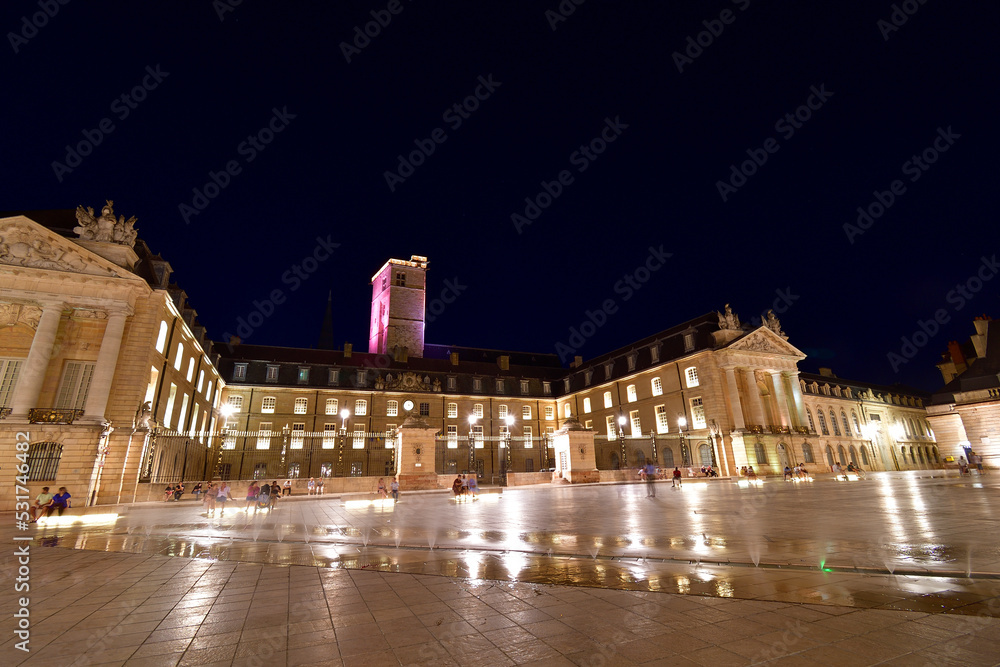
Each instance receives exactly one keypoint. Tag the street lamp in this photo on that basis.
(344, 414)
(286, 431)
(472, 445)
(681, 425)
(621, 441)
(505, 464)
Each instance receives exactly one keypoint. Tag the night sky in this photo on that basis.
(676, 116)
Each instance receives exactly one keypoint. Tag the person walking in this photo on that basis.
(210, 493)
(474, 487)
(272, 498)
(222, 496)
(650, 471)
(252, 492)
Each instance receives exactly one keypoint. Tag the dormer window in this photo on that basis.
(654, 353)
(631, 359)
(272, 373)
(588, 376)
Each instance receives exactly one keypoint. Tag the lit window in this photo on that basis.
(812, 425)
(301, 406)
(170, 405)
(833, 422)
(547, 388)
(303, 375)
(657, 385)
(807, 453)
(526, 433)
(477, 436)
(847, 426)
(360, 407)
(239, 372)
(692, 376)
(662, 421)
(264, 436)
(452, 410)
(452, 437)
(190, 373)
(359, 437)
(236, 403)
(272, 373)
(75, 385)
(183, 412)
(586, 406)
(697, 413)
(502, 411)
(822, 423)
(179, 358)
(329, 436)
(857, 424)
(612, 427)
(201, 379)
(331, 406)
(589, 424)
(391, 408)
(631, 362)
(477, 410)
(636, 424)
(631, 393)
(607, 399)
(298, 435)
(268, 404)
(161, 338)
(567, 411)
(525, 412)
(550, 413)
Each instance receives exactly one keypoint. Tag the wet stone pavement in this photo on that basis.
(897, 569)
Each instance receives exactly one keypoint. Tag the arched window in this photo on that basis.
(843, 455)
(301, 406)
(668, 457)
(920, 453)
(268, 404)
(936, 459)
(705, 454)
(161, 338)
(812, 425)
(913, 459)
(657, 386)
(822, 423)
(833, 422)
(857, 424)
(847, 426)
(761, 453)
(864, 456)
(586, 405)
(903, 451)
(807, 453)
(829, 456)
(567, 411)
(854, 455)
(360, 407)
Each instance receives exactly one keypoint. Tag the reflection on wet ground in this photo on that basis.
(892, 542)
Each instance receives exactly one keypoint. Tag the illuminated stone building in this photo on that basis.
(965, 412)
(91, 329)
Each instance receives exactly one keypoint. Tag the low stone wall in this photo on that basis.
(528, 478)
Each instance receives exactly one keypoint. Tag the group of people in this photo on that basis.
(393, 488)
(466, 485)
(175, 492)
(799, 471)
(262, 496)
(315, 488)
(965, 467)
(709, 471)
(46, 503)
(748, 472)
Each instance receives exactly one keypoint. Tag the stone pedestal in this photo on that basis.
(415, 456)
(575, 456)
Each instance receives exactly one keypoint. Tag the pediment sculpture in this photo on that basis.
(757, 342)
(16, 313)
(22, 246)
(105, 227)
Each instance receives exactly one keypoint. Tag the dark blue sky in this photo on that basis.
(776, 235)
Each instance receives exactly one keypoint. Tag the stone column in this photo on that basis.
(778, 380)
(797, 402)
(104, 369)
(735, 405)
(753, 394)
(29, 384)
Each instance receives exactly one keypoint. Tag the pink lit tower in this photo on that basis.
(398, 302)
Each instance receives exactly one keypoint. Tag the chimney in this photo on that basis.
(955, 351)
(454, 358)
(826, 372)
(348, 348)
(503, 361)
(234, 340)
(577, 362)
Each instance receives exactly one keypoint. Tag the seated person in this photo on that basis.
(42, 506)
(60, 501)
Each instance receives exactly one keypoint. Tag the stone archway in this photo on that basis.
(783, 456)
(829, 456)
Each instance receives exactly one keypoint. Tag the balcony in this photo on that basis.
(754, 428)
(774, 428)
(802, 430)
(53, 416)
(4, 413)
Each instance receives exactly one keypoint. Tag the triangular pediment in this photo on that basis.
(764, 341)
(25, 243)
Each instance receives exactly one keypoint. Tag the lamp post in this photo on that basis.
(344, 414)
(286, 431)
(621, 441)
(472, 445)
(685, 454)
(505, 464)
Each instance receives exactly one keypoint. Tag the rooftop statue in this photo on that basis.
(729, 320)
(106, 227)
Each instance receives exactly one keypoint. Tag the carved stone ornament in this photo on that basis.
(408, 381)
(106, 227)
(16, 313)
(20, 245)
(756, 342)
(729, 319)
(774, 324)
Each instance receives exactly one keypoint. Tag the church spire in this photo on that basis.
(326, 331)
